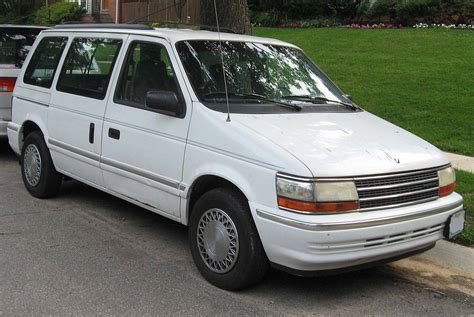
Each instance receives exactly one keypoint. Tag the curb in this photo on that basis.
(451, 255)
(465, 163)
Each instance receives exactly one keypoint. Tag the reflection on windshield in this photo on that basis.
(275, 72)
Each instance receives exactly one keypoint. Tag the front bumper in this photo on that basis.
(329, 242)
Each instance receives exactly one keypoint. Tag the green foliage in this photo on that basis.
(345, 9)
(465, 186)
(16, 11)
(410, 12)
(58, 13)
(267, 18)
(383, 8)
(405, 12)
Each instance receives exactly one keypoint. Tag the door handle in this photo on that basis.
(114, 133)
(91, 133)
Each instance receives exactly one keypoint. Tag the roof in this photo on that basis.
(22, 26)
(170, 34)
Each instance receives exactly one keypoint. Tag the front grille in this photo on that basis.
(397, 189)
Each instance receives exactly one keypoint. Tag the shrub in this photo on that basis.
(383, 8)
(58, 13)
(345, 9)
(267, 18)
(412, 11)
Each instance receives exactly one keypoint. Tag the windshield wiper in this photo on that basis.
(318, 99)
(254, 96)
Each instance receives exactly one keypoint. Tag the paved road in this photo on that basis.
(86, 253)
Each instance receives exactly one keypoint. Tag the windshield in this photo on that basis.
(15, 45)
(277, 73)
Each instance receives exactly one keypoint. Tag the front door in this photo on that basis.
(78, 103)
(143, 151)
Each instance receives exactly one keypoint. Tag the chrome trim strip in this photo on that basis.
(356, 178)
(401, 173)
(33, 101)
(310, 226)
(400, 194)
(398, 185)
(408, 203)
(75, 150)
(140, 172)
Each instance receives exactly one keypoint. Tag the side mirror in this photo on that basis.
(165, 102)
(348, 97)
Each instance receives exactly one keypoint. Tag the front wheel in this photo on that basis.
(224, 241)
(39, 175)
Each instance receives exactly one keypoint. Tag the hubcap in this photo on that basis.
(32, 165)
(218, 240)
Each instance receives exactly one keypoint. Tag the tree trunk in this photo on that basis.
(232, 14)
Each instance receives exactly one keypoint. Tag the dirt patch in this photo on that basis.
(439, 279)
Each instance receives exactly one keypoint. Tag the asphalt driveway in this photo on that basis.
(86, 253)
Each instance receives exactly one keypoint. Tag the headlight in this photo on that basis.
(316, 196)
(447, 181)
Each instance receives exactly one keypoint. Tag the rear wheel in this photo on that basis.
(224, 241)
(39, 175)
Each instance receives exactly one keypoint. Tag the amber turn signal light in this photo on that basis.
(446, 190)
(310, 206)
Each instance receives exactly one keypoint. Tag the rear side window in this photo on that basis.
(15, 44)
(88, 67)
(42, 66)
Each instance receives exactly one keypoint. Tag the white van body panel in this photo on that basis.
(158, 160)
(153, 173)
(341, 144)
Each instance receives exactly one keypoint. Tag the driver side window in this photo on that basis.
(147, 68)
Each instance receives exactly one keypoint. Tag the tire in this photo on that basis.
(238, 259)
(41, 180)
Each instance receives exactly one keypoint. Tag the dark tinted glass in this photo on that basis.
(88, 66)
(15, 45)
(147, 68)
(43, 63)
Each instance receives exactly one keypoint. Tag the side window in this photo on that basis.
(43, 63)
(147, 68)
(88, 67)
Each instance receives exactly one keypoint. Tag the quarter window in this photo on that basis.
(42, 66)
(88, 67)
(147, 68)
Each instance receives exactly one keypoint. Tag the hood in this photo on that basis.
(345, 144)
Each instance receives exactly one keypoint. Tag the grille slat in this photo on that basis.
(397, 189)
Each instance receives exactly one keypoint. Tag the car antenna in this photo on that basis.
(222, 61)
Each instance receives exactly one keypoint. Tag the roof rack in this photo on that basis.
(177, 25)
(104, 26)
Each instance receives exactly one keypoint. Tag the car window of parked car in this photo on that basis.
(42, 66)
(88, 67)
(15, 44)
(147, 68)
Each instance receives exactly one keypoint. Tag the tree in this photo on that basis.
(233, 14)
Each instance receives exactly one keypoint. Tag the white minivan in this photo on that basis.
(243, 139)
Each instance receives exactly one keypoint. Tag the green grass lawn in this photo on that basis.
(421, 80)
(465, 186)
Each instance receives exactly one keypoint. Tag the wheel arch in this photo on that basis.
(205, 183)
(28, 126)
